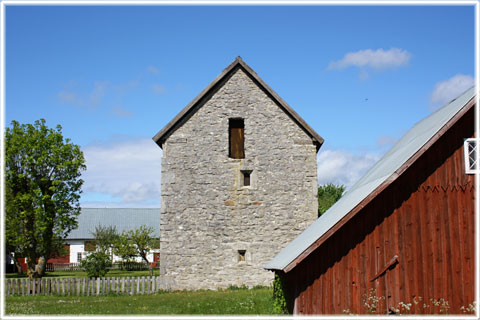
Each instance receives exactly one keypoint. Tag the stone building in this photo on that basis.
(239, 182)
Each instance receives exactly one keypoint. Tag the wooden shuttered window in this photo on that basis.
(236, 139)
(90, 245)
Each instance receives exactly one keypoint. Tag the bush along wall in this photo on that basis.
(280, 298)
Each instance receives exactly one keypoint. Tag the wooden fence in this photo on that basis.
(75, 266)
(72, 266)
(82, 286)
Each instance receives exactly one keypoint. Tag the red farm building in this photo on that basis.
(402, 239)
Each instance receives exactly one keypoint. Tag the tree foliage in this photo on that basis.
(144, 241)
(42, 190)
(96, 264)
(124, 248)
(105, 238)
(138, 242)
(328, 195)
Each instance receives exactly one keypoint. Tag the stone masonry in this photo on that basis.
(214, 231)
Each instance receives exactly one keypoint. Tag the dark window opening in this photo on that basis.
(246, 178)
(90, 245)
(79, 256)
(241, 255)
(236, 139)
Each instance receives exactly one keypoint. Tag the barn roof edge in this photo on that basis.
(405, 152)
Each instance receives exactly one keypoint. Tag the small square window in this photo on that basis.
(470, 148)
(246, 177)
(241, 255)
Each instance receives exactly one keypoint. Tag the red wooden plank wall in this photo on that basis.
(61, 259)
(426, 218)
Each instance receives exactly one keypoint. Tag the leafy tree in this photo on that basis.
(124, 248)
(96, 264)
(138, 242)
(328, 195)
(105, 239)
(144, 241)
(42, 191)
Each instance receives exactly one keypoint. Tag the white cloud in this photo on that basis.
(446, 91)
(129, 170)
(375, 59)
(92, 99)
(343, 168)
(121, 112)
(153, 70)
(159, 89)
(98, 92)
(68, 96)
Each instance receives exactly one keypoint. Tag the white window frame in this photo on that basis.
(469, 169)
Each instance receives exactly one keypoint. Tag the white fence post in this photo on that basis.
(98, 285)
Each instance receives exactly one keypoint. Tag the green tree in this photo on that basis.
(96, 264)
(124, 248)
(136, 243)
(144, 242)
(42, 191)
(105, 239)
(328, 195)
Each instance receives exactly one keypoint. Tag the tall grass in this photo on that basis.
(233, 302)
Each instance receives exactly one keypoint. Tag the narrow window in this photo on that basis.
(470, 148)
(241, 255)
(236, 138)
(79, 256)
(246, 177)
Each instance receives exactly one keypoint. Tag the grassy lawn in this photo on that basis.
(81, 274)
(233, 302)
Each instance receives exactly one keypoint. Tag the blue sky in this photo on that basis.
(113, 76)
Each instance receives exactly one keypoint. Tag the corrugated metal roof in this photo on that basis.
(402, 151)
(121, 218)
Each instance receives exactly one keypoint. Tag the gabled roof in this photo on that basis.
(199, 100)
(405, 152)
(123, 219)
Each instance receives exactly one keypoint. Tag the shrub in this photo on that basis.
(96, 264)
(280, 305)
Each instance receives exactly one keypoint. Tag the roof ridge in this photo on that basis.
(163, 134)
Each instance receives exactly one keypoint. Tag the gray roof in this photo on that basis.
(385, 171)
(199, 100)
(121, 218)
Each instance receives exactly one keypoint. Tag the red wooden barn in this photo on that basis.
(403, 234)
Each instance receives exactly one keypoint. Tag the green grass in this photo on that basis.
(82, 274)
(234, 302)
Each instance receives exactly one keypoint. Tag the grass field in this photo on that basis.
(81, 274)
(232, 302)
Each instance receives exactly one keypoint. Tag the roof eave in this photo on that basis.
(397, 173)
(162, 135)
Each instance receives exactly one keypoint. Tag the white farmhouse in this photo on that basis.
(81, 239)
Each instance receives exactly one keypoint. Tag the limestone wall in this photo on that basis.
(207, 216)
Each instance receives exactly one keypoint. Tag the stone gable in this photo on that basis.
(215, 232)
